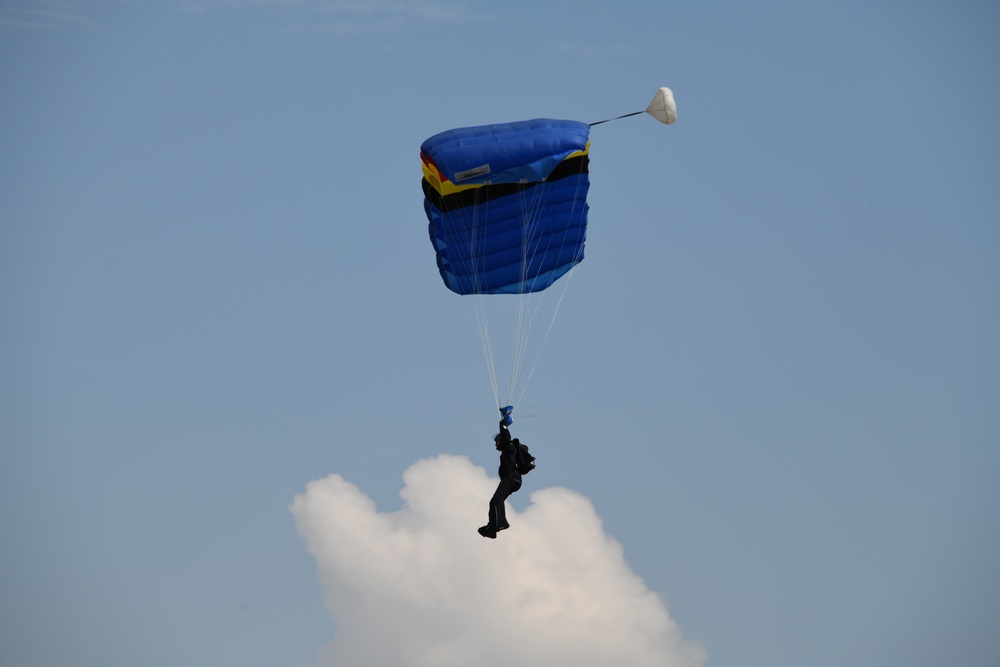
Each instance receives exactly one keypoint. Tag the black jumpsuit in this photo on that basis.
(510, 480)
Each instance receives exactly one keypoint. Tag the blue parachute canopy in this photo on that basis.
(507, 204)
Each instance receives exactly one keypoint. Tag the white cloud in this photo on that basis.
(340, 16)
(420, 587)
(44, 15)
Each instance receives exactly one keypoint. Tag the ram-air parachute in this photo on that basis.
(507, 207)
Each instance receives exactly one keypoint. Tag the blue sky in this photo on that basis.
(775, 376)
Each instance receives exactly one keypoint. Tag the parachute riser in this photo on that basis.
(505, 414)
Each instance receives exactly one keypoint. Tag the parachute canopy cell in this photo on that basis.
(507, 204)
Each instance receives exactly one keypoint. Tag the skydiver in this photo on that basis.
(510, 481)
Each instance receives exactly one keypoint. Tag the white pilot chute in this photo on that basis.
(663, 108)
